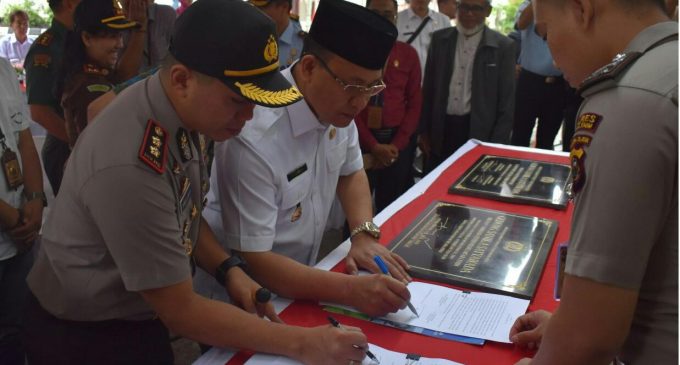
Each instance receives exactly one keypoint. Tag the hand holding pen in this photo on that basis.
(370, 355)
(383, 268)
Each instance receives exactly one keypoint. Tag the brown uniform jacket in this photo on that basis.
(79, 92)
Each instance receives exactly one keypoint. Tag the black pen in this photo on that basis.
(370, 355)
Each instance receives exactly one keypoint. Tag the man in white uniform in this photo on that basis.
(276, 182)
(416, 25)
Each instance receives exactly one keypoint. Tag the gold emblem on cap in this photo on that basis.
(271, 50)
(118, 8)
(331, 135)
(257, 94)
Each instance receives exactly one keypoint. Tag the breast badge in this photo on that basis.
(297, 213)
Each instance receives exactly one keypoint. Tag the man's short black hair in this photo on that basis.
(13, 15)
(55, 5)
(368, 3)
(289, 2)
(310, 46)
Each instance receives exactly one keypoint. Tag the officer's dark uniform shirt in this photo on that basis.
(128, 212)
(42, 66)
(79, 91)
(624, 157)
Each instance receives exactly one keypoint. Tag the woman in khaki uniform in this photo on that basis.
(89, 63)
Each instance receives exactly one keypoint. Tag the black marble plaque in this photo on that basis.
(483, 249)
(517, 181)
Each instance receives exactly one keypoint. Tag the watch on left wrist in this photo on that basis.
(226, 265)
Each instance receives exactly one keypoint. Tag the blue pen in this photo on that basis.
(381, 264)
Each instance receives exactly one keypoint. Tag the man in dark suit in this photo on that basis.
(469, 85)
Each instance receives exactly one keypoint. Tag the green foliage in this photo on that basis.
(505, 16)
(39, 13)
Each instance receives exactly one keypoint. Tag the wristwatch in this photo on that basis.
(36, 195)
(226, 265)
(367, 227)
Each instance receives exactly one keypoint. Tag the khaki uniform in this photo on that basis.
(625, 161)
(79, 91)
(128, 213)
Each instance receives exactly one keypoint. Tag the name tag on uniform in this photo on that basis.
(297, 172)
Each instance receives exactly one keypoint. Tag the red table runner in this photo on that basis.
(310, 314)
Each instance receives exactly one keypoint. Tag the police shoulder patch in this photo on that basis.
(44, 39)
(588, 122)
(578, 158)
(153, 151)
(42, 60)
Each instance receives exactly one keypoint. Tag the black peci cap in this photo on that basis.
(354, 33)
(233, 41)
(91, 15)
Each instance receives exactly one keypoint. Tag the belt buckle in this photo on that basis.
(550, 79)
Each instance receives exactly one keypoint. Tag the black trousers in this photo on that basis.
(55, 152)
(572, 104)
(456, 133)
(390, 182)
(52, 341)
(539, 97)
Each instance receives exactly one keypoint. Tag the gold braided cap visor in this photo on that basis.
(119, 22)
(264, 86)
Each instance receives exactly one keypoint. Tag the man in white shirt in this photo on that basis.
(409, 23)
(273, 186)
(14, 47)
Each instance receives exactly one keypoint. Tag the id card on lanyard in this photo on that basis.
(10, 165)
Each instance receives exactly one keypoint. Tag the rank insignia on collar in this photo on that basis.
(297, 213)
(332, 133)
(89, 68)
(184, 146)
(153, 150)
(175, 168)
(619, 63)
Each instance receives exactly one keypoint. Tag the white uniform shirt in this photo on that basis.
(276, 181)
(408, 22)
(13, 50)
(13, 119)
(460, 87)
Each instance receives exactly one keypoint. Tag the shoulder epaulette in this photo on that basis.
(89, 68)
(154, 149)
(44, 39)
(611, 70)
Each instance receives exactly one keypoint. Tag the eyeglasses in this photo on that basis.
(474, 9)
(370, 90)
